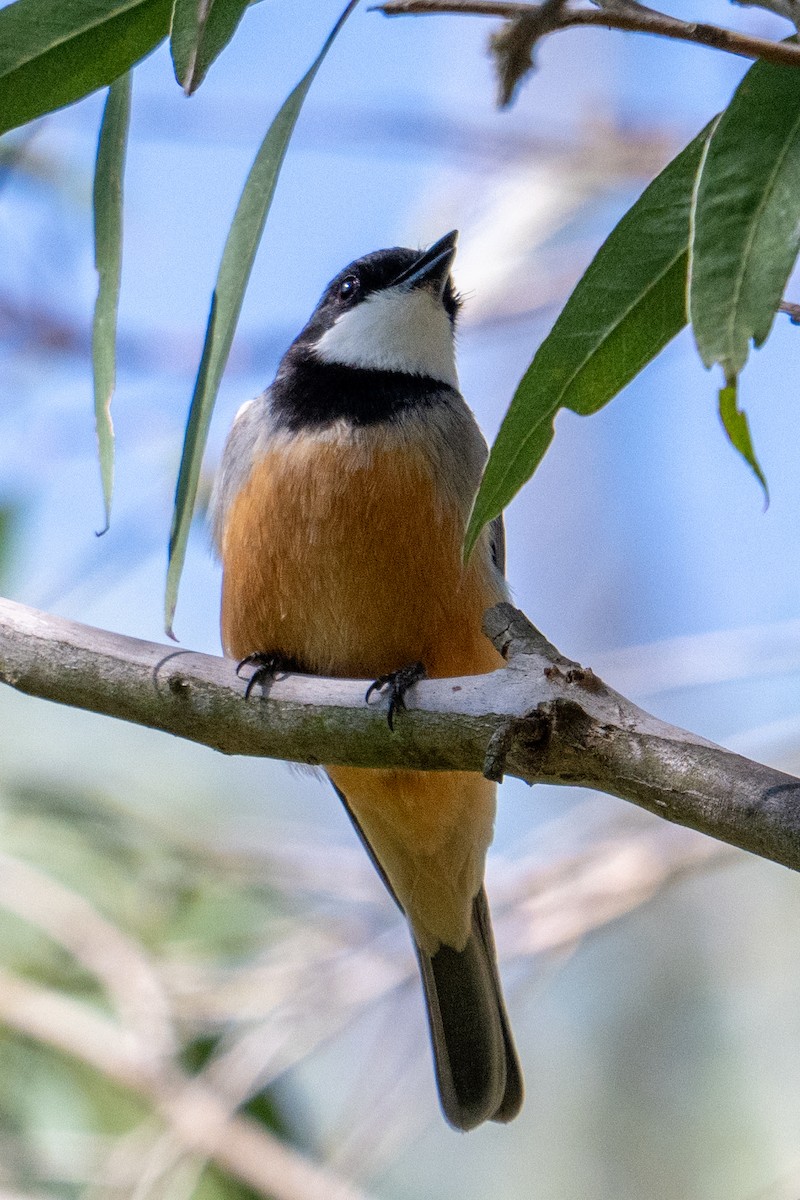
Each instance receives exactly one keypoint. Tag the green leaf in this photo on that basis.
(747, 218)
(201, 29)
(234, 272)
(628, 305)
(53, 52)
(108, 174)
(738, 430)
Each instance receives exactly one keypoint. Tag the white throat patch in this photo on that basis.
(394, 330)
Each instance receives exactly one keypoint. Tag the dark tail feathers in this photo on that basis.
(477, 1069)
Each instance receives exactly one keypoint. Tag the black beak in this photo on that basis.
(432, 268)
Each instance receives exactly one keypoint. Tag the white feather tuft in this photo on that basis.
(394, 330)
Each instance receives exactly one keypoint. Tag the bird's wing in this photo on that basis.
(497, 543)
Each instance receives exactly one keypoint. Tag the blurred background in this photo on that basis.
(185, 937)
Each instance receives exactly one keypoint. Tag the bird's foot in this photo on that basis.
(267, 668)
(395, 685)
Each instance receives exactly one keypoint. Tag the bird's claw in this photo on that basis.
(267, 667)
(396, 684)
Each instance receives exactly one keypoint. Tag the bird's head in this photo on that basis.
(393, 310)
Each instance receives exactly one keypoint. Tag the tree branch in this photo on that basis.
(530, 22)
(543, 719)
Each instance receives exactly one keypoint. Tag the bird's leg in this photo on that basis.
(395, 685)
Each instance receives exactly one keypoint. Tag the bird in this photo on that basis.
(339, 512)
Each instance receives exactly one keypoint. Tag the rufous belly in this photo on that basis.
(347, 559)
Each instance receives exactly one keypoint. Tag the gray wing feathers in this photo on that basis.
(244, 444)
(497, 542)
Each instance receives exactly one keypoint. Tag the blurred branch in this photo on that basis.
(35, 327)
(314, 983)
(793, 311)
(239, 1145)
(71, 1027)
(704, 659)
(6, 1195)
(115, 960)
(528, 23)
(249, 1152)
(544, 719)
(14, 152)
(319, 978)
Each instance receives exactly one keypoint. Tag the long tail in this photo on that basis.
(477, 1069)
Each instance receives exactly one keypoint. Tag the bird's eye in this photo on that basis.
(349, 287)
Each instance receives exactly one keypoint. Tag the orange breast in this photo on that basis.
(347, 558)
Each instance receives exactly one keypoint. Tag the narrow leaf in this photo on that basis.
(201, 29)
(738, 430)
(627, 306)
(53, 52)
(234, 272)
(747, 217)
(109, 170)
